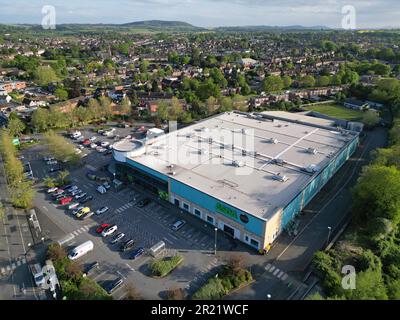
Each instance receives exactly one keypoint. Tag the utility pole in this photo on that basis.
(215, 241)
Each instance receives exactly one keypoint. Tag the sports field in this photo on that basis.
(336, 111)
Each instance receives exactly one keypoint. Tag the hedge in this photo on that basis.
(162, 267)
(227, 280)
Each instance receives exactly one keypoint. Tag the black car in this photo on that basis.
(66, 187)
(90, 267)
(127, 245)
(114, 285)
(86, 199)
(143, 203)
(55, 169)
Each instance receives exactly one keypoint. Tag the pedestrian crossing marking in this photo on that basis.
(280, 274)
(75, 233)
(276, 272)
(268, 266)
(18, 263)
(285, 277)
(13, 266)
(272, 269)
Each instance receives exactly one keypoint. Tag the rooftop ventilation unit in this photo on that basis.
(238, 164)
(312, 168)
(229, 146)
(279, 178)
(210, 140)
(170, 166)
(279, 161)
(244, 152)
(245, 131)
(203, 151)
(172, 173)
(204, 129)
(273, 140)
(312, 150)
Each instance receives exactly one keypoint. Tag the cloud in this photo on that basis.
(370, 13)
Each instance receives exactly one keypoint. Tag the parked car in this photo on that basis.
(122, 125)
(127, 245)
(80, 195)
(73, 205)
(105, 144)
(102, 210)
(51, 190)
(90, 268)
(37, 273)
(109, 231)
(144, 202)
(86, 142)
(107, 152)
(81, 250)
(51, 162)
(137, 253)
(86, 199)
(75, 212)
(87, 215)
(83, 212)
(59, 197)
(55, 169)
(66, 187)
(178, 224)
(76, 192)
(73, 188)
(65, 201)
(102, 227)
(118, 237)
(101, 189)
(93, 145)
(114, 285)
(93, 138)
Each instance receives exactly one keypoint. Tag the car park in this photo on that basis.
(51, 190)
(118, 237)
(137, 253)
(127, 245)
(102, 210)
(88, 269)
(80, 195)
(144, 202)
(73, 205)
(114, 285)
(109, 231)
(102, 227)
(178, 224)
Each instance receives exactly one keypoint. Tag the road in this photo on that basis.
(330, 207)
(15, 276)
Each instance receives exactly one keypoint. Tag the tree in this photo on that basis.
(105, 106)
(45, 75)
(272, 84)
(370, 118)
(323, 81)
(175, 294)
(143, 66)
(61, 94)
(307, 81)
(125, 106)
(16, 127)
(40, 119)
(132, 293)
(22, 194)
(287, 82)
(62, 177)
(49, 182)
(211, 105)
(377, 194)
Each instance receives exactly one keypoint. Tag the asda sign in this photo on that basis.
(226, 211)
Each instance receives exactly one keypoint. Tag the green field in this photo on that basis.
(336, 111)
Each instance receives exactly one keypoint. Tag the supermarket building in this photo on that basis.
(246, 174)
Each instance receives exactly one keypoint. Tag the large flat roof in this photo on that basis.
(245, 175)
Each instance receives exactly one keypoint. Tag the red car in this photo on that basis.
(65, 200)
(102, 227)
(86, 142)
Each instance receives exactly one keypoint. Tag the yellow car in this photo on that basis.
(83, 212)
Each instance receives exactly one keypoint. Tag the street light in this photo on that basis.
(269, 296)
(329, 235)
(215, 242)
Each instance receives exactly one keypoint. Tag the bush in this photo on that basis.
(176, 294)
(162, 267)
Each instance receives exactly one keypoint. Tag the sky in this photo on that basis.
(207, 13)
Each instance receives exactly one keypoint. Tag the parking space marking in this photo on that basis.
(130, 267)
(169, 241)
(121, 274)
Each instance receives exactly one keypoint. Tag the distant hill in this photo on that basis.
(161, 25)
(269, 28)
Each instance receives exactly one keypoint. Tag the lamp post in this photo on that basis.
(215, 241)
(269, 296)
(329, 235)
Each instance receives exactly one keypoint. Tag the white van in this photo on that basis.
(81, 250)
(37, 273)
